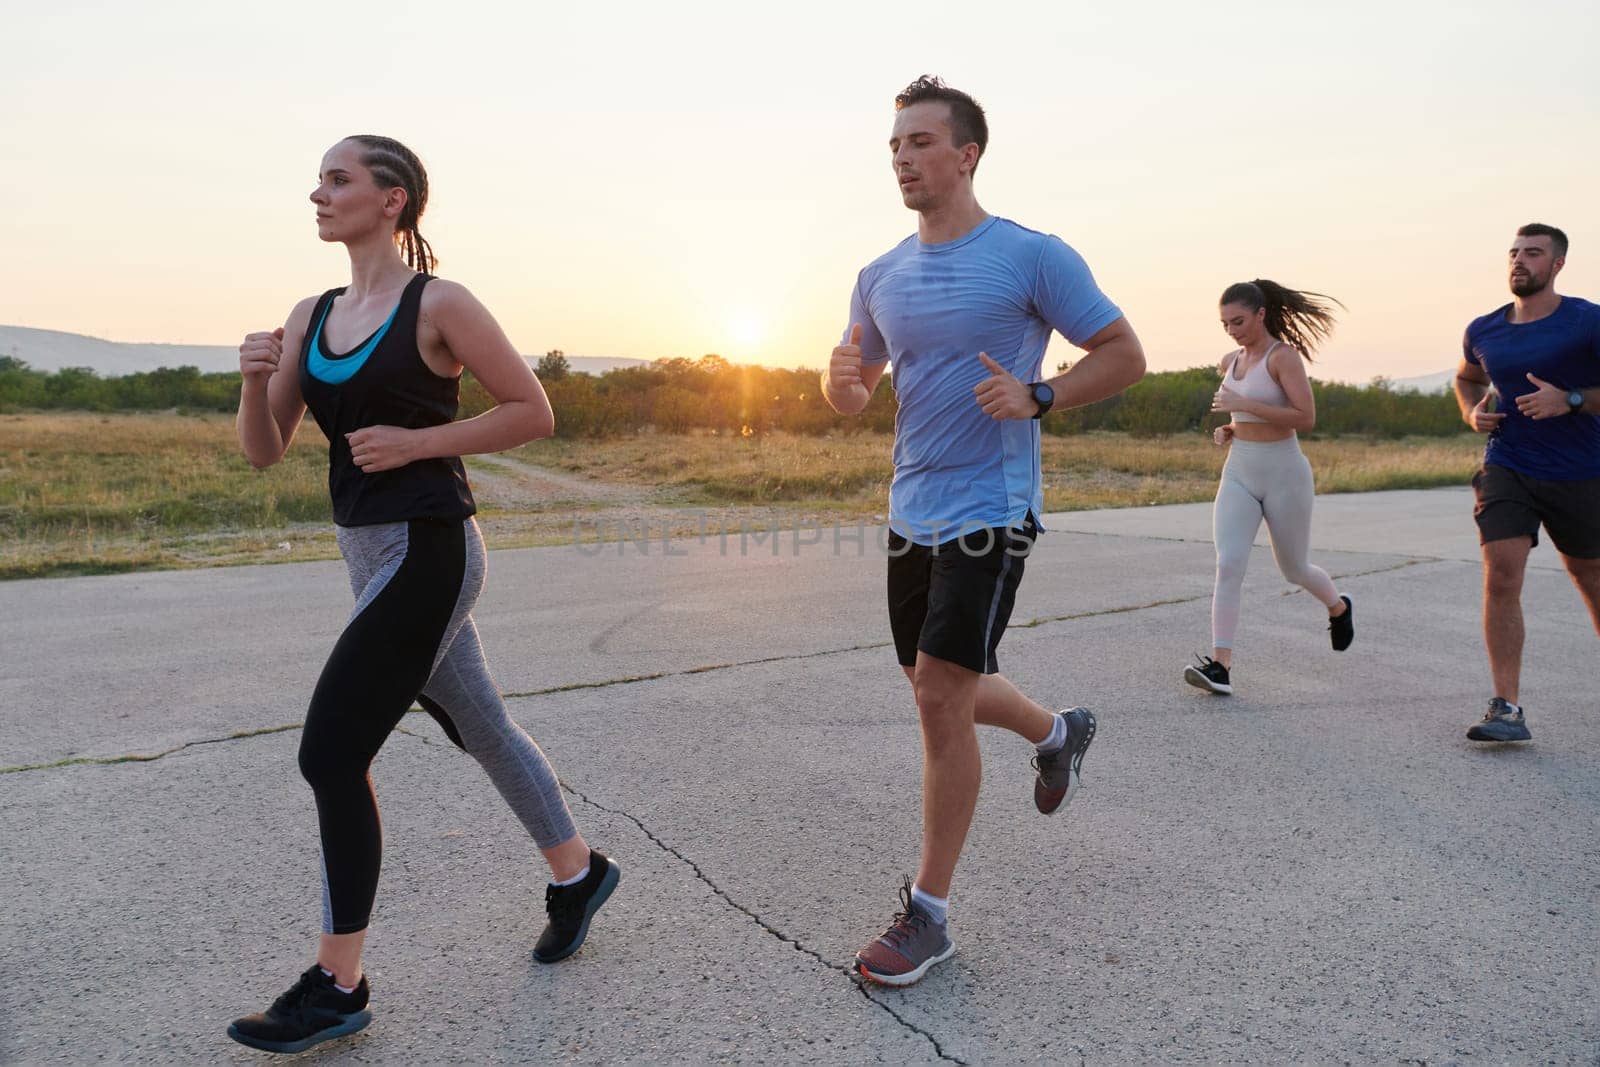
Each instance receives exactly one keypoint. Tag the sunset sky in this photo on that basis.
(652, 180)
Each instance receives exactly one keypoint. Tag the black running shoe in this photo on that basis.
(1503, 721)
(1210, 675)
(312, 1011)
(1342, 628)
(572, 906)
(1061, 771)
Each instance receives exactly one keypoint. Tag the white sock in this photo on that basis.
(336, 985)
(575, 879)
(1057, 738)
(935, 908)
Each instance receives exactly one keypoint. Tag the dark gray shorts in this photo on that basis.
(1511, 504)
(953, 600)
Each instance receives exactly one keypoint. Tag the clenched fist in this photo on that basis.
(844, 366)
(382, 448)
(259, 356)
(1481, 419)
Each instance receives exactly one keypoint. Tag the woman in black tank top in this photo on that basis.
(377, 362)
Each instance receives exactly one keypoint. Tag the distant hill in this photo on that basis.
(51, 350)
(1426, 384)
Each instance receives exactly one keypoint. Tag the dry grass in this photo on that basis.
(1104, 470)
(88, 493)
(713, 470)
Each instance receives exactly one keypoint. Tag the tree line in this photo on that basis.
(711, 394)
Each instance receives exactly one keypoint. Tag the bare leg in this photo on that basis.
(1504, 564)
(567, 858)
(1002, 704)
(952, 768)
(1586, 576)
(341, 954)
(999, 703)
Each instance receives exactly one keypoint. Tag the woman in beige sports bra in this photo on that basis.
(1265, 389)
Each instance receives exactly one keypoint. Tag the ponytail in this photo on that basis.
(1300, 318)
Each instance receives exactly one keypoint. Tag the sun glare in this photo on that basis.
(746, 328)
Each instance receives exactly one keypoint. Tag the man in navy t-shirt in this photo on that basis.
(1541, 355)
(963, 310)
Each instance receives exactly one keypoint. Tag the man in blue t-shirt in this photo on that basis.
(1541, 355)
(963, 309)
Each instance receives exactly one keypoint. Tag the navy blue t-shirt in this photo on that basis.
(1563, 348)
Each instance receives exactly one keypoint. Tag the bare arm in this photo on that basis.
(1288, 369)
(1113, 361)
(847, 385)
(270, 404)
(1472, 397)
(1223, 435)
(473, 339)
(1549, 401)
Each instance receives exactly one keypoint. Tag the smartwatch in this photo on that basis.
(1042, 395)
(1574, 401)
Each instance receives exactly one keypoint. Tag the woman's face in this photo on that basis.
(1243, 324)
(349, 202)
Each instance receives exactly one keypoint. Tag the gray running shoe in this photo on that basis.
(903, 953)
(1061, 771)
(1503, 721)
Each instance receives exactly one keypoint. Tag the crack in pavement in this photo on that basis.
(1210, 541)
(148, 757)
(717, 890)
(767, 927)
(703, 669)
(1040, 621)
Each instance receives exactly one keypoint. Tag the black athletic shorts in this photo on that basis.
(1514, 505)
(953, 600)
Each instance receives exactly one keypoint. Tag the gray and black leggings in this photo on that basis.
(410, 638)
(1263, 480)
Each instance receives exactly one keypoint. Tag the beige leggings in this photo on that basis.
(1262, 480)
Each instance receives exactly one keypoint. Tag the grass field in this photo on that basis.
(88, 493)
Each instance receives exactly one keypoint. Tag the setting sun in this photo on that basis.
(746, 328)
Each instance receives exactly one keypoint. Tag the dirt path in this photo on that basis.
(540, 484)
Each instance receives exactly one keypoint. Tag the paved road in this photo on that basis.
(1319, 868)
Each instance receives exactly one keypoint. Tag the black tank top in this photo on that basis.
(383, 382)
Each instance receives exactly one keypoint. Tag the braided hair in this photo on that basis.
(1303, 319)
(393, 165)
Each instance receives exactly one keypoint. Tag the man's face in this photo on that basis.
(927, 163)
(1533, 265)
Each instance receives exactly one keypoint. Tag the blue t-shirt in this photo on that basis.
(1563, 348)
(929, 310)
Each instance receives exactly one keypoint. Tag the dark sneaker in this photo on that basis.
(904, 952)
(1210, 675)
(312, 1011)
(1503, 721)
(570, 908)
(1342, 628)
(1061, 771)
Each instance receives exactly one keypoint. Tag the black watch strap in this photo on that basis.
(1042, 395)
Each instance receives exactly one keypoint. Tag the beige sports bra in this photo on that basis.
(1257, 384)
